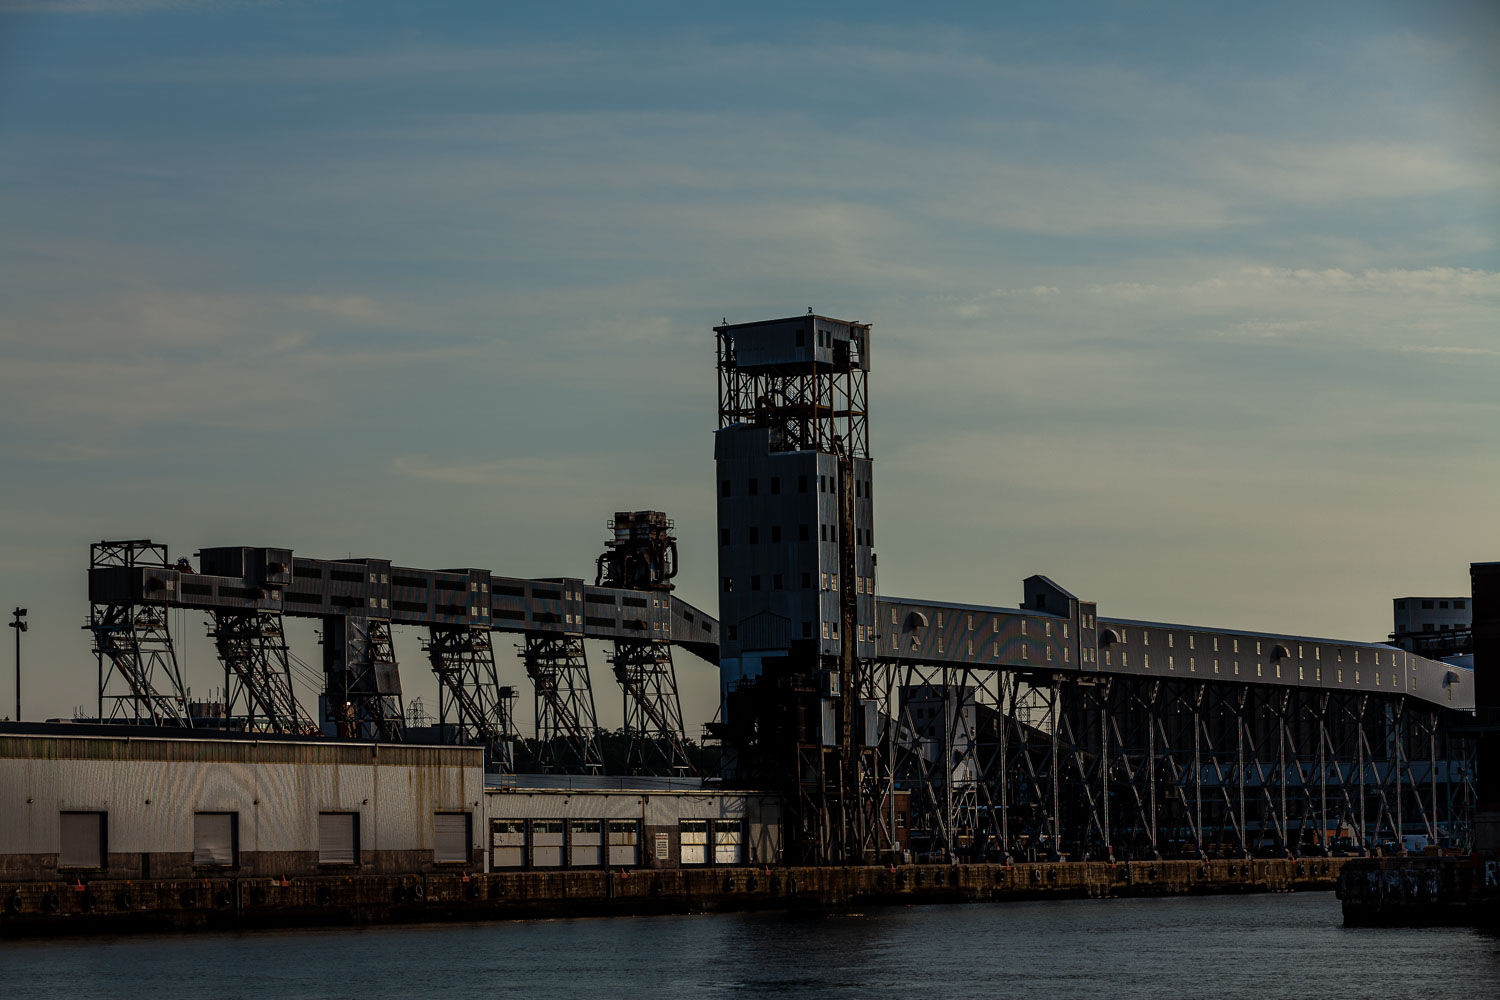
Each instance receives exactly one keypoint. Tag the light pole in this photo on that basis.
(20, 626)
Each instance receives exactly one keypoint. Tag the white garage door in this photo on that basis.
(508, 843)
(624, 837)
(585, 843)
(338, 838)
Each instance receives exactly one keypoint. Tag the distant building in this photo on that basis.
(1436, 627)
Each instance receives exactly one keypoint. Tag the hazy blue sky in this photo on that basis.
(1193, 307)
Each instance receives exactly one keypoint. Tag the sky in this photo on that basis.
(1194, 308)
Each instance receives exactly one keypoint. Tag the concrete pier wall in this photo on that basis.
(115, 906)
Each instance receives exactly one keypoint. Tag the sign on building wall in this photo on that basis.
(662, 850)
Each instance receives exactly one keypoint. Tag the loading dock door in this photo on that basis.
(624, 843)
(693, 839)
(546, 843)
(585, 843)
(338, 838)
(508, 843)
(728, 842)
(82, 837)
(450, 837)
(213, 839)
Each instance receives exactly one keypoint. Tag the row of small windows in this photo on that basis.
(866, 633)
(1260, 646)
(1091, 656)
(994, 623)
(826, 533)
(1456, 605)
(825, 338)
(826, 484)
(826, 581)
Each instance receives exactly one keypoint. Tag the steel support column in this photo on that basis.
(653, 710)
(472, 704)
(257, 673)
(139, 679)
(566, 726)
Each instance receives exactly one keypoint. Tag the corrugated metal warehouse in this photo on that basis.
(116, 803)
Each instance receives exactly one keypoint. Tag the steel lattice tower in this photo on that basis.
(566, 725)
(642, 555)
(470, 697)
(257, 672)
(653, 712)
(139, 679)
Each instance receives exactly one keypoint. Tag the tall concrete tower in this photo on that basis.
(797, 577)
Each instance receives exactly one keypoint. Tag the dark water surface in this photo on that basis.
(1260, 947)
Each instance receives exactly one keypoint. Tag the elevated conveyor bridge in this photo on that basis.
(247, 590)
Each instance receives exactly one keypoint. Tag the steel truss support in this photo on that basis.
(139, 679)
(362, 687)
(472, 705)
(1148, 767)
(566, 726)
(937, 741)
(257, 673)
(834, 755)
(653, 710)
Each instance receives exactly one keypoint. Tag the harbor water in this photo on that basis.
(1263, 947)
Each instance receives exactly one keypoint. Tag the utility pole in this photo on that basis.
(20, 626)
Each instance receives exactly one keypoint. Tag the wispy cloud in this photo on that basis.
(119, 6)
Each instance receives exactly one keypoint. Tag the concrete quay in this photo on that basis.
(227, 903)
